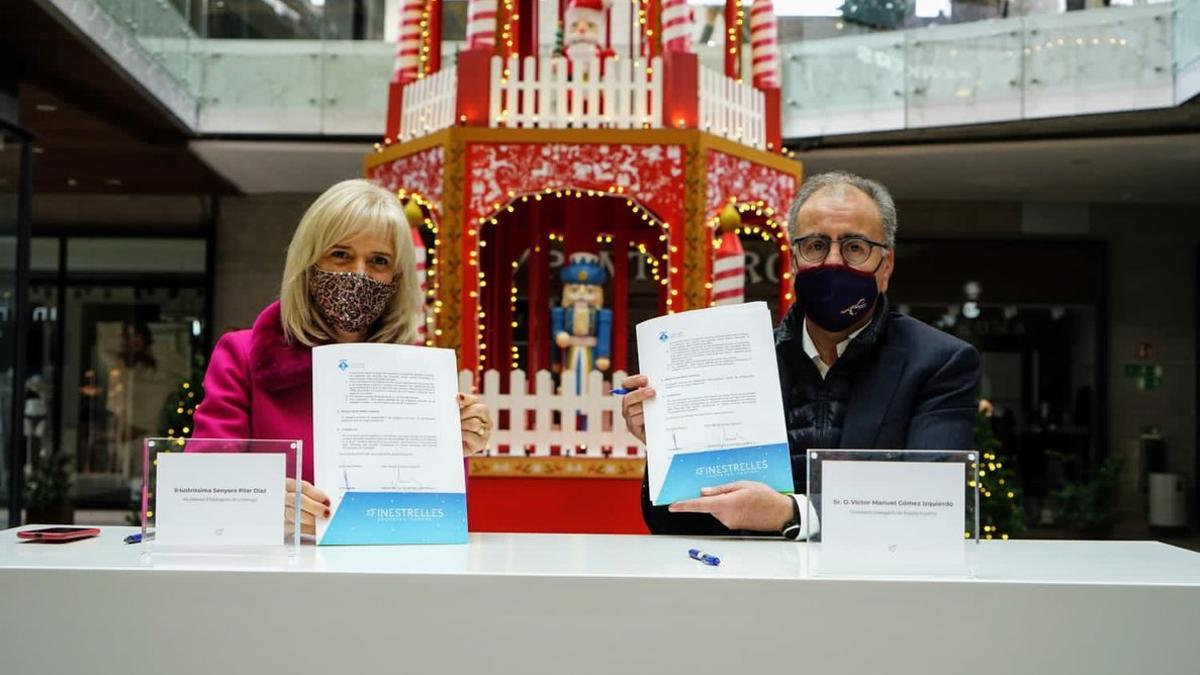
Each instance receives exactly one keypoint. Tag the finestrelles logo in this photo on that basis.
(857, 307)
(663, 337)
(394, 514)
(343, 365)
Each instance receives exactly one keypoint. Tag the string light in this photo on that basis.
(565, 192)
(423, 52)
(507, 30)
(430, 225)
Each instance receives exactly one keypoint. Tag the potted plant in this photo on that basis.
(48, 489)
(1090, 507)
(48, 475)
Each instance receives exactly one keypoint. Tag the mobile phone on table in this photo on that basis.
(55, 534)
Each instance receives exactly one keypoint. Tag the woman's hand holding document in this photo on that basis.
(713, 423)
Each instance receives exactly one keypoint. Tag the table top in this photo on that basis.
(1134, 563)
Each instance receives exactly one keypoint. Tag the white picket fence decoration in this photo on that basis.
(429, 104)
(734, 110)
(596, 409)
(543, 92)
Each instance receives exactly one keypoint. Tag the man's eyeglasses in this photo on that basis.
(815, 248)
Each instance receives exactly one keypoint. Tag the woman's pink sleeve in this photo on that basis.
(225, 410)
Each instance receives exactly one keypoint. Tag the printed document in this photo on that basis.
(718, 414)
(388, 444)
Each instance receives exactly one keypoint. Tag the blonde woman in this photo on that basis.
(350, 276)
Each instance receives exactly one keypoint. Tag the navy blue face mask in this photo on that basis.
(835, 297)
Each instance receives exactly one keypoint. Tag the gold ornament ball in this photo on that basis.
(412, 212)
(729, 219)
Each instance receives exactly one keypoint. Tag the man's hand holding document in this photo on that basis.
(717, 416)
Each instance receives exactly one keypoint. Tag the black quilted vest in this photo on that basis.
(815, 408)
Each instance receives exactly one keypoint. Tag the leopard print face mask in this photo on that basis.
(350, 301)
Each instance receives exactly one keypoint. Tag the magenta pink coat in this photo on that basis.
(259, 385)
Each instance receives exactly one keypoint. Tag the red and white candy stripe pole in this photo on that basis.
(408, 46)
(481, 24)
(729, 261)
(729, 272)
(676, 26)
(764, 45)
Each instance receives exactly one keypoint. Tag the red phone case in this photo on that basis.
(43, 535)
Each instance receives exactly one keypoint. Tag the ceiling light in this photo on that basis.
(115, 182)
(46, 107)
(37, 150)
(71, 182)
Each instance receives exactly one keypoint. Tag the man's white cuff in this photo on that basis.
(807, 529)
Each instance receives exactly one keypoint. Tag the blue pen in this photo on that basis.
(697, 554)
(620, 391)
(137, 537)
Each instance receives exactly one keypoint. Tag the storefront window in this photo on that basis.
(14, 204)
(126, 319)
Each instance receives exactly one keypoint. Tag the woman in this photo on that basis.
(350, 276)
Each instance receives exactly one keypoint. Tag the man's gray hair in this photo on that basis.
(876, 191)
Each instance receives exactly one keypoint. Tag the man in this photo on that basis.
(853, 373)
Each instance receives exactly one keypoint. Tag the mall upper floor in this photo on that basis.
(322, 67)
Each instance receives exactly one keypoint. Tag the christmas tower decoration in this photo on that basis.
(518, 158)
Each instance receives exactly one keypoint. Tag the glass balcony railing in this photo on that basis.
(320, 67)
(1103, 60)
(164, 34)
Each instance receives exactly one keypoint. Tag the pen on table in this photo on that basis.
(697, 554)
(137, 537)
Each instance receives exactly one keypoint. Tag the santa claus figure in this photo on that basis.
(585, 31)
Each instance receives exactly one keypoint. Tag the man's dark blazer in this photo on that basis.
(914, 390)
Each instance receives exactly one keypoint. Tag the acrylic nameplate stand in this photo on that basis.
(892, 513)
(225, 498)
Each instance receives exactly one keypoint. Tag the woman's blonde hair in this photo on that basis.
(345, 210)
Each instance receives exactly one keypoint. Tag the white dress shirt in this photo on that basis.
(810, 348)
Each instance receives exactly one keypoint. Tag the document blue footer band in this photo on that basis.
(399, 518)
(770, 464)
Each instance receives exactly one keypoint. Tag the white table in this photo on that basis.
(592, 604)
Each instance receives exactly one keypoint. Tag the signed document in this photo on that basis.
(718, 414)
(388, 444)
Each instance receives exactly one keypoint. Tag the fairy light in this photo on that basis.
(734, 42)
(423, 53)
(508, 30)
(512, 312)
